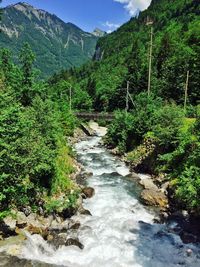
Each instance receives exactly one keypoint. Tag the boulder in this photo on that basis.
(188, 238)
(75, 226)
(153, 197)
(88, 192)
(10, 223)
(57, 240)
(101, 131)
(68, 213)
(134, 176)
(82, 177)
(26, 210)
(35, 230)
(5, 231)
(189, 252)
(84, 211)
(31, 218)
(115, 151)
(63, 239)
(164, 187)
(7, 261)
(74, 242)
(148, 184)
(87, 130)
(7, 228)
(86, 175)
(21, 220)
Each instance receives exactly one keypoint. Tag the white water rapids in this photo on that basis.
(120, 232)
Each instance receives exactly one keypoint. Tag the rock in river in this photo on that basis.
(88, 192)
(153, 197)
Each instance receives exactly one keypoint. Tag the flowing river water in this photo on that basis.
(121, 231)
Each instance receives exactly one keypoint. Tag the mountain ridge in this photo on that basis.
(58, 45)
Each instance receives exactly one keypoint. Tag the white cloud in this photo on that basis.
(111, 26)
(134, 5)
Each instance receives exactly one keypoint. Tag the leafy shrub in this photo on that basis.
(167, 122)
(128, 129)
(188, 187)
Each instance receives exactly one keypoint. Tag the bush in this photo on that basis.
(119, 129)
(188, 187)
(128, 130)
(167, 123)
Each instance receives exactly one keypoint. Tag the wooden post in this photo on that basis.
(186, 90)
(127, 96)
(70, 98)
(150, 61)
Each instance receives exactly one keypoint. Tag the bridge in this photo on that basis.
(95, 116)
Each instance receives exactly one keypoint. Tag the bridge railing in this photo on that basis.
(95, 116)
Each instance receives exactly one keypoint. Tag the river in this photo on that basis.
(121, 231)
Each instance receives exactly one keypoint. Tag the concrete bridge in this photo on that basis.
(95, 116)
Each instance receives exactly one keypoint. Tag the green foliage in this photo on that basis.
(27, 59)
(60, 204)
(128, 129)
(119, 130)
(188, 187)
(167, 123)
(63, 169)
(4, 214)
(188, 173)
(35, 160)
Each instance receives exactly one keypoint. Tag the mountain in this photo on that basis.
(57, 44)
(124, 56)
(99, 33)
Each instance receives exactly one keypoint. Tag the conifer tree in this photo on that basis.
(27, 59)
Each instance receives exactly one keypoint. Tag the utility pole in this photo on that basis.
(70, 98)
(150, 61)
(186, 90)
(150, 23)
(127, 96)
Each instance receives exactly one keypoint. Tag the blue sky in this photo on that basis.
(89, 14)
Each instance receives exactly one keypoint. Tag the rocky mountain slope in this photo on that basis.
(57, 44)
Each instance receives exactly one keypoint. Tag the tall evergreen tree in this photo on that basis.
(27, 59)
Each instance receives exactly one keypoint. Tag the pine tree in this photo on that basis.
(27, 59)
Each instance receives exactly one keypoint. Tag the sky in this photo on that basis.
(107, 15)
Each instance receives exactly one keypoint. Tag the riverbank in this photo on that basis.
(157, 191)
(56, 227)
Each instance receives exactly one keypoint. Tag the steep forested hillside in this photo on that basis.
(58, 45)
(123, 56)
(160, 133)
